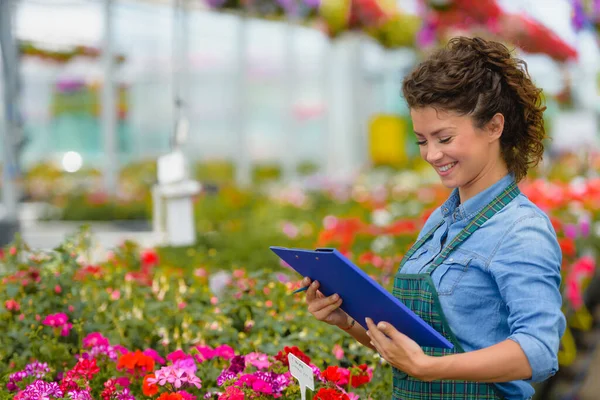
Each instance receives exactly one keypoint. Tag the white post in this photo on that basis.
(109, 116)
(342, 116)
(290, 160)
(242, 158)
(9, 128)
(180, 72)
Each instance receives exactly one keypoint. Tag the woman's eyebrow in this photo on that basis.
(434, 133)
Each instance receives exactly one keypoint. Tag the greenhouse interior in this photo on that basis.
(165, 164)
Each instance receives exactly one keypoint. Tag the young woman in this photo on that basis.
(485, 270)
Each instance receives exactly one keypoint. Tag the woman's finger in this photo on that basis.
(311, 293)
(322, 314)
(320, 304)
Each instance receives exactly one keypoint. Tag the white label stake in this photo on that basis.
(303, 373)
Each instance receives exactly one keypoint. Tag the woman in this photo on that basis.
(485, 270)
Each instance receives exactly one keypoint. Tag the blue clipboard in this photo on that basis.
(362, 296)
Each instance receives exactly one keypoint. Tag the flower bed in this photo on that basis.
(203, 308)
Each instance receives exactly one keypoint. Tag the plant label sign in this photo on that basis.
(303, 373)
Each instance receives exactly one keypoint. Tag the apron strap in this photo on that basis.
(482, 216)
(486, 213)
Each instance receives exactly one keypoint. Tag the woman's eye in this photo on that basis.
(447, 140)
(421, 142)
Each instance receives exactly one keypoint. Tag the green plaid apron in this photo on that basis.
(418, 293)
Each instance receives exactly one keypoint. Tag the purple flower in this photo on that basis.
(570, 231)
(225, 376)
(125, 394)
(109, 351)
(40, 390)
(79, 395)
(238, 364)
(35, 369)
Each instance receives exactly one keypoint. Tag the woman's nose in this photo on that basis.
(433, 154)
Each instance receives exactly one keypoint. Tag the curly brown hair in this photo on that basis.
(479, 78)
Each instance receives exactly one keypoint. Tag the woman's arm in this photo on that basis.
(502, 362)
(358, 332)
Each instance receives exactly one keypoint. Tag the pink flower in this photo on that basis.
(345, 376)
(225, 352)
(71, 308)
(268, 304)
(262, 387)
(259, 360)
(12, 305)
(181, 305)
(177, 355)
(21, 317)
(154, 355)
(115, 295)
(66, 328)
(239, 273)
(205, 353)
(573, 293)
(55, 320)
(186, 396)
(123, 381)
(290, 230)
(214, 300)
(120, 349)
(95, 339)
(200, 272)
(338, 352)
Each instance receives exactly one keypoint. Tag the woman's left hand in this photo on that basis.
(398, 349)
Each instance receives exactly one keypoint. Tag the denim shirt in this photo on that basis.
(501, 283)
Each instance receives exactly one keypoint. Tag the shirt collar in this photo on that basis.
(472, 206)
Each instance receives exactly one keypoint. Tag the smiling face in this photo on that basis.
(464, 156)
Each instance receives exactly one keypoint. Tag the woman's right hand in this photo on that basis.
(326, 309)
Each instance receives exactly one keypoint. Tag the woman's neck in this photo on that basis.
(488, 176)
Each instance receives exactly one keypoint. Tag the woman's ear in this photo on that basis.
(495, 127)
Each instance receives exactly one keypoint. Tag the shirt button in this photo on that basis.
(445, 210)
(451, 259)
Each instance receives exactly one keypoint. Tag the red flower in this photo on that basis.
(332, 374)
(330, 394)
(136, 362)
(149, 389)
(149, 258)
(86, 368)
(361, 375)
(283, 355)
(567, 246)
(170, 396)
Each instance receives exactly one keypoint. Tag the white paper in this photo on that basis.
(303, 373)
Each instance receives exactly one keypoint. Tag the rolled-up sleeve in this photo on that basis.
(526, 267)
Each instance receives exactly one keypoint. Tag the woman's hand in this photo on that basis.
(398, 349)
(323, 308)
